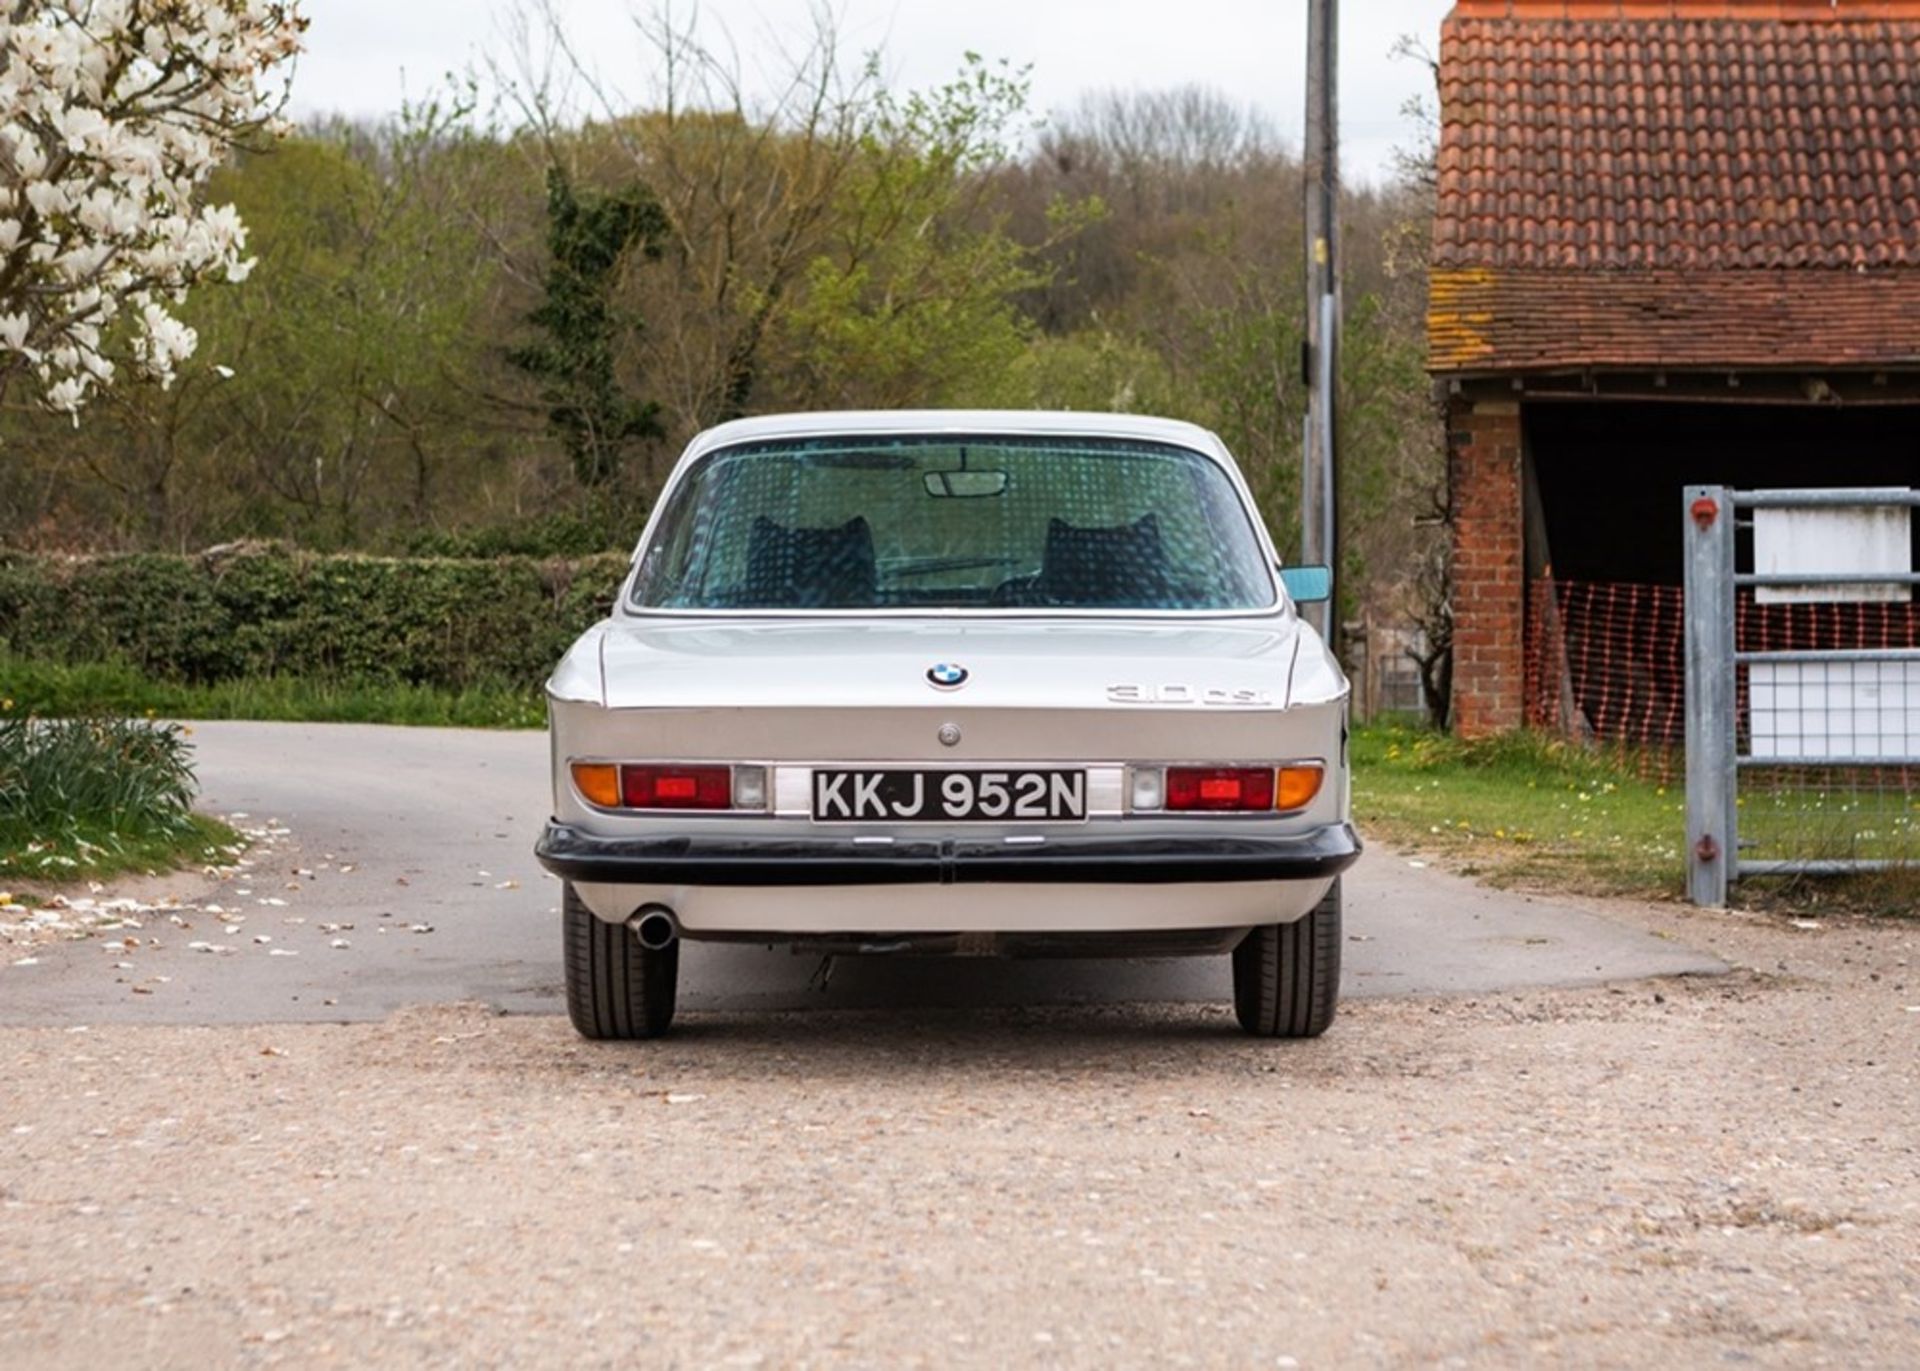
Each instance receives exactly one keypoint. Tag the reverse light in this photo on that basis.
(750, 788)
(676, 787)
(1234, 789)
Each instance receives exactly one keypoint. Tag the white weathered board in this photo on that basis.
(1793, 542)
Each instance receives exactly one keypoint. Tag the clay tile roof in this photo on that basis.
(1678, 182)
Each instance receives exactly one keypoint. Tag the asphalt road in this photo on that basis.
(421, 840)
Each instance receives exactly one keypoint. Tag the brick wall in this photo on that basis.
(1489, 568)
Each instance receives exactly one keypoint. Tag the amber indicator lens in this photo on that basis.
(677, 787)
(598, 783)
(1225, 789)
(1298, 786)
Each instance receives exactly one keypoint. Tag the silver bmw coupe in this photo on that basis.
(967, 682)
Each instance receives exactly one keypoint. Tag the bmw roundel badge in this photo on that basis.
(947, 675)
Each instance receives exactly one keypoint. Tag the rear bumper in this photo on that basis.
(573, 855)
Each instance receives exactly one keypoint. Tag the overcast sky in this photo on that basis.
(362, 54)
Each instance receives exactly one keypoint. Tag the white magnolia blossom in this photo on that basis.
(113, 113)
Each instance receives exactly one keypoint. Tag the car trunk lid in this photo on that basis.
(1067, 691)
(1021, 665)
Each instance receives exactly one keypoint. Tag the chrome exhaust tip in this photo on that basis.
(656, 927)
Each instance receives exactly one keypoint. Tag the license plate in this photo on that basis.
(961, 797)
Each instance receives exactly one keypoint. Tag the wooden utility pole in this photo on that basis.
(1319, 486)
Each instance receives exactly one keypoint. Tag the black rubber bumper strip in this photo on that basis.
(723, 861)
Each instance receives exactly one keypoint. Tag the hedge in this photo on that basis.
(257, 611)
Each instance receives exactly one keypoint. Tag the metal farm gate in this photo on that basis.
(1802, 684)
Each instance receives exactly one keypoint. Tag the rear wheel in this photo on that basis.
(615, 987)
(1286, 977)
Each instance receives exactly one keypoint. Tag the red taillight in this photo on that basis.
(676, 787)
(1219, 788)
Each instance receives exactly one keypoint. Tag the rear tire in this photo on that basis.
(1286, 977)
(616, 989)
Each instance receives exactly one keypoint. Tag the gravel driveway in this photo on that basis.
(1699, 1171)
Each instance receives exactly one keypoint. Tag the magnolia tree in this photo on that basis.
(112, 115)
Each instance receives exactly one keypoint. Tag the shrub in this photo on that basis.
(69, 781)
(599, 530)
(265, 611)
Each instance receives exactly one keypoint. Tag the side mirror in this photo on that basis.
(1307, 585)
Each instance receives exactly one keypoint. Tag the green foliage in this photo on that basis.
(590, 236)
(1522, 808)
(1245, 364)
(913, 302)
(94, 794)
(1099, 371)
(377, 384)
(600, 529)
(121, 771)
(262, 613)
(1532, 810)
(326, 392)
(892, 335)
(54, 688)
(93, 851)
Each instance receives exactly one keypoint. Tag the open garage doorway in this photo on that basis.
(1604, 544)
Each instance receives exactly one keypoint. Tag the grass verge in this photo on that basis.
(52, 689)
(1521, 810)
(1525, 810)
(99, 852)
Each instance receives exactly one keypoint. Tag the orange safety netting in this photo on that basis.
(1607, 661)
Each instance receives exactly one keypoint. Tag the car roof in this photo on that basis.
(958, 421)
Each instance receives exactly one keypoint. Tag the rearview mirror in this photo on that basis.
(966, 485)
(1307, 585)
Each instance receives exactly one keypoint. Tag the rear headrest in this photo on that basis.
(1121, 567)
(811, 568)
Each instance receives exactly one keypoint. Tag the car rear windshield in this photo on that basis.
(946, 523)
